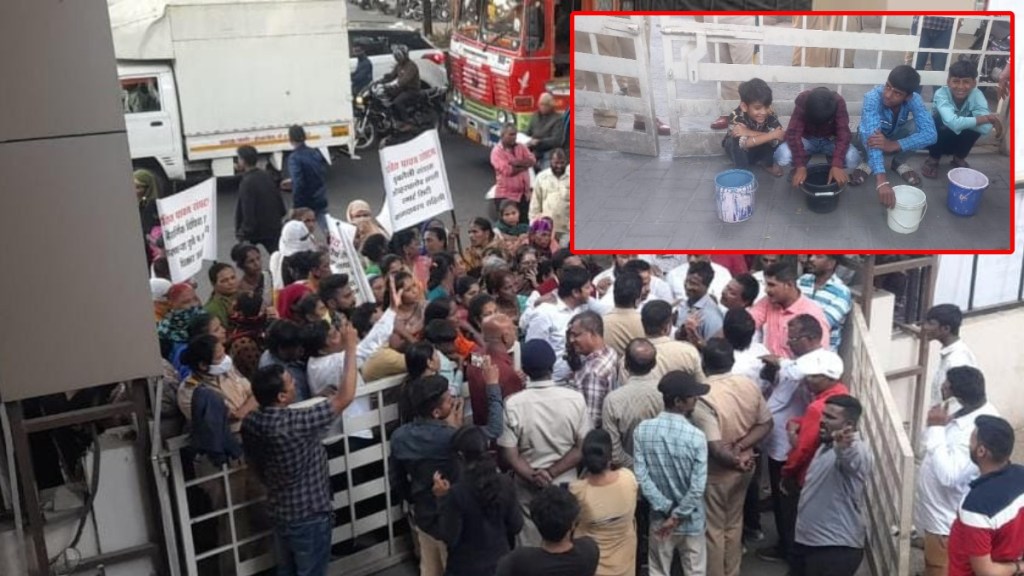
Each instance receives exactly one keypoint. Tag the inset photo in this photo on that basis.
(869, 133)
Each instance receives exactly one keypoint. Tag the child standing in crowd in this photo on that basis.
(754, 129)
(509, 226)
(961, 117)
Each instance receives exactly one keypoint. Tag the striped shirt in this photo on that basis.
(598, 376)
(990, 521)
(875, 116)
(835, 301)
(672, 469)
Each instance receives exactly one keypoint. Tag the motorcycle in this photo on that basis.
(999, 40)
(374, 116)
(440, 10)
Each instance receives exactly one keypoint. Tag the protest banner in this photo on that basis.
(188, 221)
(415, 181)
(345, 258)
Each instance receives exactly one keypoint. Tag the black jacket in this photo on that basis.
(260, 207)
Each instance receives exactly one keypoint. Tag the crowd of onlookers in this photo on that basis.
(560, 418)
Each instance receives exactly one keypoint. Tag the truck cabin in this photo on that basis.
(519, 26)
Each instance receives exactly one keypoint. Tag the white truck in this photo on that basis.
(199, 78)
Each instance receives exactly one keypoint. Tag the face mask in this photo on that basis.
(224, 367)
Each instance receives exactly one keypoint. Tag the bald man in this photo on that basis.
(500, 336)
(545, 130)
(638, 399)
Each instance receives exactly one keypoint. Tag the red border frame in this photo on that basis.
(572, 134)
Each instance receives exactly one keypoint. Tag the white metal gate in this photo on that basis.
(692, 52)
(890, 489)
(234, 537)
(603, 69)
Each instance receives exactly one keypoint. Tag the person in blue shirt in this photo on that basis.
(961, 115)
(307, 169)
(363, 74)
(894, 120)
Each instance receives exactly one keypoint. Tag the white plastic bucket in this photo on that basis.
(911, 206)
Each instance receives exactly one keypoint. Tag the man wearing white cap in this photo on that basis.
(820, 372)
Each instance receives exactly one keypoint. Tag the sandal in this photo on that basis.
(859, 174)
(930, 169)
(959, 163)
(773, 170)
(907, 173)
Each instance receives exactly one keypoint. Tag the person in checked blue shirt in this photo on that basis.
(671, 466)
(894, 120)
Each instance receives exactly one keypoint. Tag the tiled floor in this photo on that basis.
(631, 202)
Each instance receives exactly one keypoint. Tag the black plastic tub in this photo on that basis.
(821, 196)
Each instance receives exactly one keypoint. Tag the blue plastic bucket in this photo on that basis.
(965, 188)
(734, 195)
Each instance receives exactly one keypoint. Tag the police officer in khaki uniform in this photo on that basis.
(608, 45)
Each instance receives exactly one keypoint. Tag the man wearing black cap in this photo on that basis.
(543, 432)
(672, 469)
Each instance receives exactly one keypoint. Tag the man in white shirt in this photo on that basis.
(654, 288)
(677, 278)
(942, 323)
(550, 320)
(738, 329)
(946, 471)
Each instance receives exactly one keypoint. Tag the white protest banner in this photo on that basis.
(345, 258)
(415, 181)
(189, 224)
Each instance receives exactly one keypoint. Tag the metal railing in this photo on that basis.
(233, 534)
(890, 488)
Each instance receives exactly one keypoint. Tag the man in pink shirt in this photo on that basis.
(512, 163)
(784, 302)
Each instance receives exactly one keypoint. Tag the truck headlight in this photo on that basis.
(504, 117)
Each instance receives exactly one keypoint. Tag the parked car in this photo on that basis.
(377, 38)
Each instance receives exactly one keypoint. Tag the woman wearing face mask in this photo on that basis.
(213, 368)
(295, 238)
(359, 215)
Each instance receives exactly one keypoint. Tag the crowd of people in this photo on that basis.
(559, 418)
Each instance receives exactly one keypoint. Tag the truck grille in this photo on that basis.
(473, 80)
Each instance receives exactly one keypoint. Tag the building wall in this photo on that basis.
(996, 340)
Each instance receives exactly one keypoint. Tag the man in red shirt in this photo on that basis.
(499, 338)
(821, 370)
(512, 162)
(988, 534)
(784, 302)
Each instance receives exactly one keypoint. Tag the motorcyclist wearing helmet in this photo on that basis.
(402, 83)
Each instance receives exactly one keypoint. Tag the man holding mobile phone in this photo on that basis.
(830, 528)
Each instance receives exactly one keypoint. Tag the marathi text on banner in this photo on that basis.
(189, 224)
(345, 258)
(415, 181)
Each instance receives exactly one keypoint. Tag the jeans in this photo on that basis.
(745, 158)
(902, 156)
(304, 546)
(826, 146)
(784, 507)
(321, 221)
(949, 142)
(825, 560)
(933, 39)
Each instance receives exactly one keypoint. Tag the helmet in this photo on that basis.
(400, 51)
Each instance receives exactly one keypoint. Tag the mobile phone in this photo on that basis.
(477, 359)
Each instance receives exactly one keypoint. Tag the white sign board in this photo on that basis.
(415, 181)
(345, 258)
(189, 224)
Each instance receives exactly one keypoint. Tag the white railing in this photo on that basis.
(371, 535)
(612, 70)
(890, 490)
